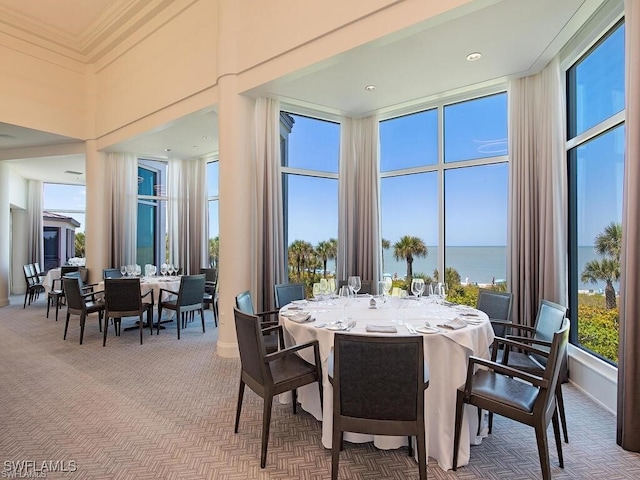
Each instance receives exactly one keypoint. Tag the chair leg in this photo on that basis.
(543, 451)
(141, 328)
(83, 319)
(202, 318)
(266, 422)
(563, 418)
(150, 319)
(490, 422)
(106, 329)
(409, 447)
(178, 321)
(336, 446)
(57, 307)
(421, 445)
(479, 421)
(556, 434)
(294, 398)
(26, 294)
(458, 426)
(66, 327)
(48, 305)
(239, 407)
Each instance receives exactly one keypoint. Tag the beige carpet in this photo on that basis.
(166, 410)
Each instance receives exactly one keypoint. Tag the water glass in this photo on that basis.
(355, 284)
(417, 287)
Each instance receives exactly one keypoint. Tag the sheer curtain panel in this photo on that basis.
(188, 219)
(537, 261)
(122, 177)
(359, 243)
(628, 418)
(35, 235)
(270, 254)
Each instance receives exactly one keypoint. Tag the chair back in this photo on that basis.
(548, 322)
(251, 345)
(365, 286)
(122, 296)
(497, 306)
(286, 293)
(211, 274)
(557, 352)
(111, 273)
(72, 292)
(378, 377)
(191, 290)
(28, 276)
(38, 271)
(244, 302)
(67, 269)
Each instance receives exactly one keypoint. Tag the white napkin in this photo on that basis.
(382, 328)
(298, 317)
(454, 324)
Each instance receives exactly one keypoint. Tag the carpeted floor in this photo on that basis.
(165, 410)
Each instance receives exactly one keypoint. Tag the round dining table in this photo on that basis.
(451, 334)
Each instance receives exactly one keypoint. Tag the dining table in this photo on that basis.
(53, 274)
(451, 333)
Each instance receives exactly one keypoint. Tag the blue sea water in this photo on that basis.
(480, 265)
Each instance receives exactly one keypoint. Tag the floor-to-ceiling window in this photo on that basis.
(310, 150)
(68, 201)
(444, 182)
(595, 151)
(152, 207)
(213, 197)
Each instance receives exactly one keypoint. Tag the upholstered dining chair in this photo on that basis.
(244, 303)
(188, 298)
(497, 306)
(286, 293)
(378, 388)
(81, 303)
(270, 374)
(56, 296)
(211, 291)
(548, 320)
(111, 273)
(365, 286)
(123, 298)
(515, 394)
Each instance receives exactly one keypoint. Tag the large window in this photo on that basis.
(64, 223)
(310, 154)
(152, 212)
(595, 150)
(213, 195)
(444, 177)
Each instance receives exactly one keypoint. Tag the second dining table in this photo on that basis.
(446, 353)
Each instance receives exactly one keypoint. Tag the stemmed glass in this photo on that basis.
(123, 270)
(324, 287)
(176, 269)
(440, 292)
(163, 269)
(129, 269)
(417, 287)
(355, 284)
(345, 299)
(137, 270)
(170, 269)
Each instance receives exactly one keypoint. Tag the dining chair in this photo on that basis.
(548, 320)
(378, 388)
(56, 295)
(211, 291)
(270, 374)
(286, 293)
(244, 303)
(515, 394)
(81, 303)
(365, 286)
(123, 298)
(497, 306)
(111, 273)
(34, 284)
(187, 299)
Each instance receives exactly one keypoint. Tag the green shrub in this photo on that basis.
(598, 330)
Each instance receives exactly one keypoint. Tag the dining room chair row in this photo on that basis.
(33, 277)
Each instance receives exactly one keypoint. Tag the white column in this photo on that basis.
(96, 231)
(4, 234)
(19, 227)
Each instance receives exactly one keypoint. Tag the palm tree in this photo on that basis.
(79, 242)
(608, 244)
(607, 270)
(327, 250)
(408, 247)
(214, 251)
(386, 244)
(300, 253)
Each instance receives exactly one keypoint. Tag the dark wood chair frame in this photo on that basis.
(81, 303)
(124, 299)
(190, 298)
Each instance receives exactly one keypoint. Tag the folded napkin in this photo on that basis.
(382, 328)
(298, 317)
(454, 324)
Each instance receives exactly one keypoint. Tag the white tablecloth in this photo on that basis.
(54, 274)
(155, 284)
(446, 354)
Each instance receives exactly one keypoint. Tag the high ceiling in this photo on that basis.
(516, 38)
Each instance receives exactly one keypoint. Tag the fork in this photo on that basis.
(410, 329)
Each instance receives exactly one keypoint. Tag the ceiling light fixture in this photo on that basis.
(472, 57)
(370, 88)
(72, 172)
(206, 137)
(167, 149)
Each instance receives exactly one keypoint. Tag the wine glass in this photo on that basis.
(129, 269)
(324, 287)
(123, 270)
(355, 284)
(163, 269)
(345, 299)
(317, 291)
(417, 287)
(137, 270)
(176, 269)
(170, 269)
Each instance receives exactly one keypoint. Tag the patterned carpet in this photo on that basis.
(166, 410)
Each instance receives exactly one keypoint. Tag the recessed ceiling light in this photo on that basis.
(206, 137)
(472, 57)
(167, 149)
(370, 88)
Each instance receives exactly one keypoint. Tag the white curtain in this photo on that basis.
(537, 259)
(122, 177)
(359, 242)
(35, 234)
(270, 248)
(187, 219)
(628, 414)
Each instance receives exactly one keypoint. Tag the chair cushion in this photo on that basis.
(502, 389)
(285, 368)
(521, 361)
